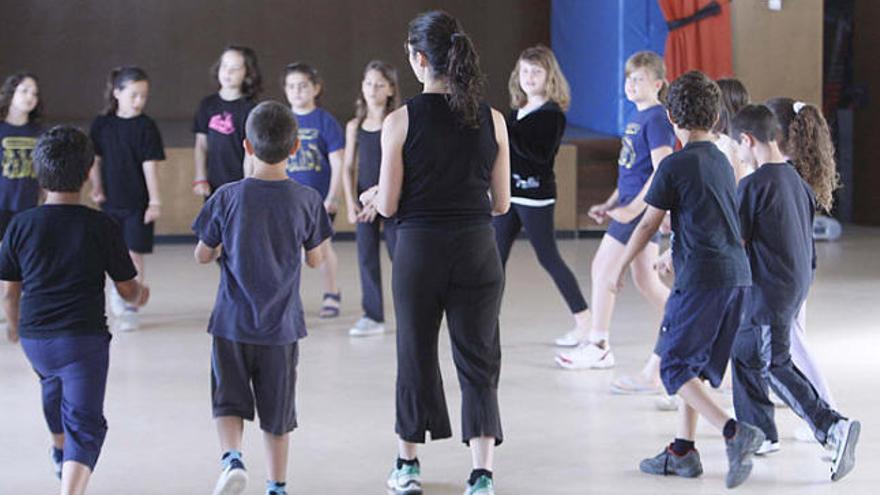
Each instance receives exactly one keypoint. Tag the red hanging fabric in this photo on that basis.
(704, 44)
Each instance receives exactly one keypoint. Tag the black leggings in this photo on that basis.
(370, 265)
(538, 222)
(453, 271)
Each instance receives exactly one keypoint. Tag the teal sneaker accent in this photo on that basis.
(483, 486)
(407, 480)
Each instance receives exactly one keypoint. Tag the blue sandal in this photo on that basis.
(330, 310)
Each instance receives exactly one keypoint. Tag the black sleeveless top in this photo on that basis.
(369, 146)
(447, 167)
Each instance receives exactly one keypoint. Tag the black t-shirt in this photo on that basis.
(447, 168)
(124, 145)
(223, 122)
(534, 142)
(776, 210)
(61, 253)
(369, 147)
(697, 185)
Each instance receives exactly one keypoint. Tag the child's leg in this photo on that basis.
(328, 270)
(369, 264)
(803, 359)
(687, 423)
(751, 398)
(138, 260)
(74, 478)
(482, 452)
(506, 228)
(602, 301)
(695, 395)
(229, 430)
(538, 222)
(646, 279)
(277, 447)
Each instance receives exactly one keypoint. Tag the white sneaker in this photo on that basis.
(842, 439)
(117, 304)
(233, 479)
(767, 447)
(366, 327)
(571, 339)
(128, 321)
(586, 356)
(666, 403)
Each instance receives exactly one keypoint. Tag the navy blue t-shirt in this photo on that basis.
(776, 209)
(648, 130)
(263, 227)
(19, 189)
(319, 135)
(697, 185)
(223, 122)
(124, 144)
(61, 254)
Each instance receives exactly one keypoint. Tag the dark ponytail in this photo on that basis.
(451, 55)
(118, 79)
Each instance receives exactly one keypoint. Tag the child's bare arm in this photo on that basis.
(11, 299)
(335, 160)
(500, 184)
(133, 292)
(151, 177)
(315, 256)
(348, 166)
(200, 155)
(205, 253)
(97, 193)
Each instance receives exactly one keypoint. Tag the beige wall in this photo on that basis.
(180, 206)
(778, 53)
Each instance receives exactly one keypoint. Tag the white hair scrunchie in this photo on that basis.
(798, 106)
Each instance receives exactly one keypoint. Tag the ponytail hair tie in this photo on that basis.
(798, 106)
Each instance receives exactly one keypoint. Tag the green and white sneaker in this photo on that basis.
(405, 480)
(483, 486)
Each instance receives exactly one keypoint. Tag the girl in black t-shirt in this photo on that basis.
(379, 96)
(125, 182)
(220, 118)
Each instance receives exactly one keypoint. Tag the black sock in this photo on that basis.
(681, 446)
(729, 429)
(407, 462)
(476, 473)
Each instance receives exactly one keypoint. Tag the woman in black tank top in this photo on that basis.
(445, 171)
(378, 97)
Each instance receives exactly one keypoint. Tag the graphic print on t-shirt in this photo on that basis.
(527, 183)
(308, 156)
(627, 151)
(17, 160)
(222, 123)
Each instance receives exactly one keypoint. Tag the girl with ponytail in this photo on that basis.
(444, 172)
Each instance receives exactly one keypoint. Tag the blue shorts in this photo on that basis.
(697, 334)
(623, 231)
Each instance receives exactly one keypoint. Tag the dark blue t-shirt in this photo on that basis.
(61, 254)
(124, 144)
(263, 227)
(319, 135)
(19, 189)
(697, 185)
(776, 210)
(648, 130)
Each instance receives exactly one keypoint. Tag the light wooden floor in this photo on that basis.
(565, 434)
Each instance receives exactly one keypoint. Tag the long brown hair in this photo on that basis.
(806, 139)
(7, 91)
(556, 87)
(252, 85)
(389, 73)
(119, 79)
(734, 96)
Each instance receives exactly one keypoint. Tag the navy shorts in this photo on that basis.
(245, 375)
(73, 378)
(138, 237)
(623, 231)
(697, 334)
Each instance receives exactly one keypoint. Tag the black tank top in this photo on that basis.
(447, 167)
(369, 145)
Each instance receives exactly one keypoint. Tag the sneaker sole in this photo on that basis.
(566, 343)
(234, 484)
(371, 333)
(617, 390)
(409, 491)
(569, 365)
(847, 460)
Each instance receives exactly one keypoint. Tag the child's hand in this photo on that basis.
(144, 296)
(352, 212)
(367, 197)
(367, 214)
(11, 333)
(330, 206)
(663, 265)
(152, 214)
(201, 188)
(598, 213)
(97, 196)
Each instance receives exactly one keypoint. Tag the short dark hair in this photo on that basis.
(757, 121)
(62, 158)
(271, 129)
(694, 101)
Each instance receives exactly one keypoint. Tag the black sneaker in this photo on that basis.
(669, 463)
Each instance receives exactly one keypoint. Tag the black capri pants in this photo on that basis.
(453, 270)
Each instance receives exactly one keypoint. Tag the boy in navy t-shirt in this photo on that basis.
(706, 306)
(262, 223)
(776, 209)
(54, 259)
